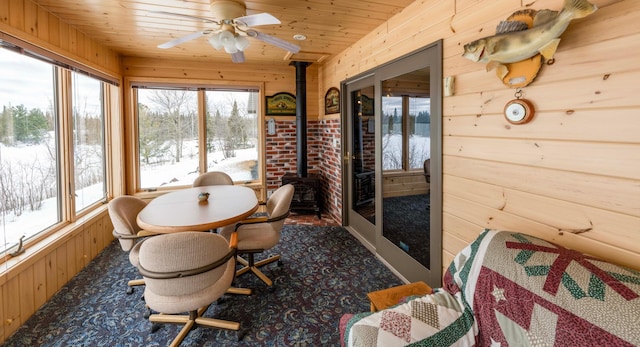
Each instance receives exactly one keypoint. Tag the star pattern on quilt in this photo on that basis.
(396, 323)
(539, 334)
(498, 293)
(556, 272)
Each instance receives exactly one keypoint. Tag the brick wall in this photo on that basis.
(329, 140)
(323, 158)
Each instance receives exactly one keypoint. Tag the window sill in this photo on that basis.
(35, 252)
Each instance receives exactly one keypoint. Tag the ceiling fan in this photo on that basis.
(232, 27)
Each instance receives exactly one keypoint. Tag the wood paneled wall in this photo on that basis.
(35, 276)
(29, 22)
(572, 175)
(395, 185)
(28, 281)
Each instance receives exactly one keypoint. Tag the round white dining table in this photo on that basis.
(181, 210)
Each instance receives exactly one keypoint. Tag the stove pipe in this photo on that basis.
(301, 117)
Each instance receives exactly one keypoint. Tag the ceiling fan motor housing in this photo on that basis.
(227, 9)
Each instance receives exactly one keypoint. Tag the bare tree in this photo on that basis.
(177, 107)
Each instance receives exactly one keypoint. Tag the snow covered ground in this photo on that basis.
(182, 173)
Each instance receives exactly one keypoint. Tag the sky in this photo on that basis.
(416, 105)
(13, 74)
(29, 82)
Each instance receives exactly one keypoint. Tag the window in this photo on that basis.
(36, 174)
(29, 174)
(174, 137)
(88, 141)
(232, 133)
(405, 139)
(167, 137)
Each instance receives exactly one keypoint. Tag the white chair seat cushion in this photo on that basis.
(253, 236)
(181, 252)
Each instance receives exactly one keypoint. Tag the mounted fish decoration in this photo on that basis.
(513, 42)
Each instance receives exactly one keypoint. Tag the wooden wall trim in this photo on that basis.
(34, 252)
(35, 276)
(29, 22)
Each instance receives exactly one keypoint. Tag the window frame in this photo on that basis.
(132, 151)
(62, 69)
(406, 142)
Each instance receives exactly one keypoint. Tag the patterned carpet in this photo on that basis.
(326, 273)
(407, 225)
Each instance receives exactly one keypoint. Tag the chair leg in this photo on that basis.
(269, 260)
(134, 283)
(239, 291)
(262, 276)
(190, 321)
(252, 265)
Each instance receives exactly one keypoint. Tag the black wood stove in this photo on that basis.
(307, 194)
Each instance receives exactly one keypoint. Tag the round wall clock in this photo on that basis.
(518, 111)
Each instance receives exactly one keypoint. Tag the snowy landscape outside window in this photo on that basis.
(232, 133)
(168, 134)
(33, 127)
(88, 141)
(28, 148)
(406, 139)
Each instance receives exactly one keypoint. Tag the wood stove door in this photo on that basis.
(360, 158)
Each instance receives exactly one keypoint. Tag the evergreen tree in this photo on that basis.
(151, 136)
(6, 126)
(29, 126)
(237, 127)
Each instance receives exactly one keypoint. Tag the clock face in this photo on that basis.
(515, 112)
(518, 111)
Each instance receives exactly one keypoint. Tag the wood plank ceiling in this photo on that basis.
(133, 28)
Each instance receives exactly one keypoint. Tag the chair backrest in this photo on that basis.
(279, 203)
(177, 270)
(213, 178)
(265, 234)
(427, 170)
(123, 211)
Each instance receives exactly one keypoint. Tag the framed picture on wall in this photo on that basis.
(332, 101)
(367, 105)
(281, 104)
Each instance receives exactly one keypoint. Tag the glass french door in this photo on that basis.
(360, 158)
(393, 162)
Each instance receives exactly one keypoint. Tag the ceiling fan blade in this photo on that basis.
(237, 57)
(186, 16)
(257, 19)
(183, 39)
(274, 41)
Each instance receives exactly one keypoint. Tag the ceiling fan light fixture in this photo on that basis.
(214, 41)
(226, 39)
(231, 49)
(232, 27)
(241, 42)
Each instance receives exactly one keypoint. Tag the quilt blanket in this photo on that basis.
(511, 289)
(528, 292)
